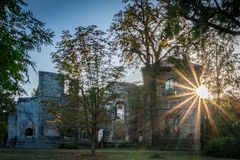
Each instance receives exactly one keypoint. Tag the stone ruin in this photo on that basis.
(27, 127)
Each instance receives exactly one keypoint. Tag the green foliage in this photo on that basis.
(223, 147)
(67, 117)
(122, 145)
(228, 127)
(146, 35)
(20, 32)
(85, 61)
(3, 129)
(202, 43)
(144, 32)
(181, 64)
(220, 65)
(221, 15)
(137, 101)
(68, 146)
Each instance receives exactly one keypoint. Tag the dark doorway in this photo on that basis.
(29, 132)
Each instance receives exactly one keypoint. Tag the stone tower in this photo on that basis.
(50, 85)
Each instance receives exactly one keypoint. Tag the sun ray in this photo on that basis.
(180, 95)
(173, 109)
(210, 118)
(198, 121)
(225, 114)
(186, 115)
(179, 126)
(185, 78)
(196, 94)
(185, 87)
(194, 74)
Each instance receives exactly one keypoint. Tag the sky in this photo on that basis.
(59, 15)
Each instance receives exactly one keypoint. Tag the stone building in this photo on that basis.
(27, 125)
(118, 128)
(174, 117)
(30, 125)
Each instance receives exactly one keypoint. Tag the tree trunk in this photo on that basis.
(93, 147)
(5, 131)
(149, 74)
(217, 76)
(93, 136)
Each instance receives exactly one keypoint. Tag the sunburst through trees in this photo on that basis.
(197, 98)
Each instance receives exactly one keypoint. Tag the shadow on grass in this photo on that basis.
(101, 154)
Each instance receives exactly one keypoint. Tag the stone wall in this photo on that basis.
(50, 85)
(29, 116)
(118, 128)
(28, 124)
(172, 132)
(180, 130)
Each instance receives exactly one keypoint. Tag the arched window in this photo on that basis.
(120, 110)
(29, 132)
(170, 87)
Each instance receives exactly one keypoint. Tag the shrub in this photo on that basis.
(223, 147)
(68, 146)
(122, 145)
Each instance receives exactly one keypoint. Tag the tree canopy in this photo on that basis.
(85, 61)
(220, 65)
(20, 32)
(144, 32)
(222, 15)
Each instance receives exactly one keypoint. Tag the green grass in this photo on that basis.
(103, 154)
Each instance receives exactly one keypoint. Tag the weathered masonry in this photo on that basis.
(27, 125)
(30, 125)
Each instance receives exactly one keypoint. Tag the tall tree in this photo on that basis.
(220, 65)
(146, 36)
(86, 59)
(65, 116)
(20, 32)
(214, 51)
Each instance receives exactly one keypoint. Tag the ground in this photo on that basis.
(104, 154)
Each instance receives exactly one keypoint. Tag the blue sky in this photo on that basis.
(62, 15)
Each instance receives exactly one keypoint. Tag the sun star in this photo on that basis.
(202, 92)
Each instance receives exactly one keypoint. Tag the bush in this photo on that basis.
(223, 147)
(156, 156)
(122, 145)
(68, 146)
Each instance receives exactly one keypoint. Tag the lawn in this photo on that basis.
(105, 154)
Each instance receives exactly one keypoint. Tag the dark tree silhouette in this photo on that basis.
(222, 15)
